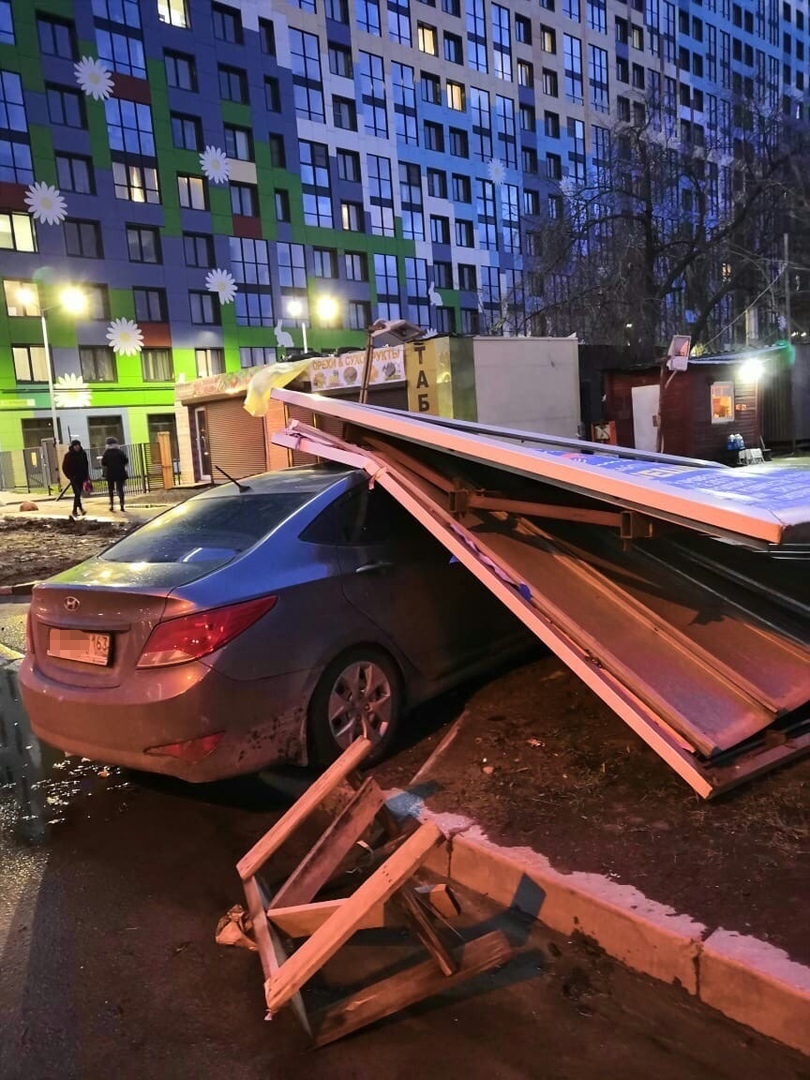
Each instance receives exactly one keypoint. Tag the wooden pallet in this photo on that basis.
(326, 925)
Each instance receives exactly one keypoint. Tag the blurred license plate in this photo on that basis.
(79, 646)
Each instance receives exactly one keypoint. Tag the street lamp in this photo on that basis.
(326, 308)
(74, 302)
(295, 309)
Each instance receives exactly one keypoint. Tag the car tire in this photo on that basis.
(363, 682)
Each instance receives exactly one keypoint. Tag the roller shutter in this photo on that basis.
(236, 439)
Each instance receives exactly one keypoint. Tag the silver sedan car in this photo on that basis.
(266, 622)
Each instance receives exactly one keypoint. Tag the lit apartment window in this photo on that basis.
(173, 12)
(427, 39)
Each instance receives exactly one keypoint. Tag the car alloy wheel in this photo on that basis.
(362, 689)
(360, 702)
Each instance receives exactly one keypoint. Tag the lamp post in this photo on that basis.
(295, 309)
(73, 301)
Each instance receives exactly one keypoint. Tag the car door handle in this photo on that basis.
(374, 567)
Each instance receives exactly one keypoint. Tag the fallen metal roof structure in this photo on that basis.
(699, 645)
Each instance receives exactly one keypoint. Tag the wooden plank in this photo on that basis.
(440, 898)
(271, 951)
(304, 919)
(337, 930)
(408, 987)
(323, 860)
(302, 808)
(425, 930)
(486, 501)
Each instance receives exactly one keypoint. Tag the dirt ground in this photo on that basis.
(540, 762)
(36, 549)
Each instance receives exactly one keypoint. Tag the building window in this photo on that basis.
(465, 235)
(399, 22)
(368, 16)
(459, 143)
(209, 362)
(129, 126)
(205, 310)
(340, 61)
(15, 162)
(256, 355)
(282, 203)
(348, 165)
(6, 23)
(121, 52)
(192, 192)
(572, 51)
(305, 62)
(198, 249)
(344, 112)
(525, 73)
(181, 71)
(351, 216)
(150, 305)
(138, 183)
(469, 320)
(97, 363)
(550, 83)
(356, 265)
(267, 37)
(456, 97)
(15, 308)
(250, 260)
(173, 12)
(57, 37)
(434, 136)
(227, 24)
(143, 244)
(186, 131)
(523, 30)
(427, 39)
(30, 363)
(548, 40)
(467, 277)
(233, 84)
(272, 94)
(238, 143)
(453, 48)
(75, 173)
(431, 88)
(17, 233)
(437, 183)
(528, 118)
(254, 308)
(83, 239)
(324, 262)
(278, 155)
(722, 402)
(98, 301)
(244, 200)
(439, 229)
(156, 365)
(359, 314)
(442, 275)
(65, 107)
(125, 12)
(338, 11)
(292, 271)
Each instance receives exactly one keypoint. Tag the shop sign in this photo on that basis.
(337, 372)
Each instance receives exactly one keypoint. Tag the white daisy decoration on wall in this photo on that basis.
(71, 392)
(222, 283)
(125, 337)
(497, 171)
(94, 78)
(214, 165)
(45, 203)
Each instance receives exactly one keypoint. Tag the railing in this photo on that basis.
(23, 470)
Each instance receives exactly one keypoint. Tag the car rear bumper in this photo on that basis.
(263, 721)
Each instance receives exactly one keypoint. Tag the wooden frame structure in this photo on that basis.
(328, 924)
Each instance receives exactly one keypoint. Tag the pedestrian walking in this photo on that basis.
(114, 463)
(76, 468)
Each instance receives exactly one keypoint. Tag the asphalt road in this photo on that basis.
(108, 966)
(12, 622)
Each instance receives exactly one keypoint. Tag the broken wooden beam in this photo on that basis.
(304, 919)
(409, 987)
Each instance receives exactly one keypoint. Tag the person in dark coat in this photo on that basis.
(76, 468)
(114, 463)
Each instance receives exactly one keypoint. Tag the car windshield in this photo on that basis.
(211, 531)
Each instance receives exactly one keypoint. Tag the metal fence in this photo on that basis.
(23, 470)
(143, 468)
(29, 470)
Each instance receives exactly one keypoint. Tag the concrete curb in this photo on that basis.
(22, 588)
(744, 978)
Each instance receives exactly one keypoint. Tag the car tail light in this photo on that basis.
(192, 749)
(177, 641)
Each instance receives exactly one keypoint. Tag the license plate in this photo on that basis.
(79, 646)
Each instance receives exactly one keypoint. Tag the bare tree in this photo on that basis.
(673, 229)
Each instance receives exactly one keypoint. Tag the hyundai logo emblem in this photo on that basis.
(71, 603)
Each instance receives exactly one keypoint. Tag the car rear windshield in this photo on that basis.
(211, 532)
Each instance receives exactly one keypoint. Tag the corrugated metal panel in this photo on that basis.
(236, 439)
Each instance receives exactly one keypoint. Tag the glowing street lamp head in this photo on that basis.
(327, 308)
(73, 300)
(751, 370)
(295, 309)
(26, 296)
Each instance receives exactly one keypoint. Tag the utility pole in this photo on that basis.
(790, 354)
(786, 242)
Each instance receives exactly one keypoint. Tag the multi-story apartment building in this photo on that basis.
(380, 153)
